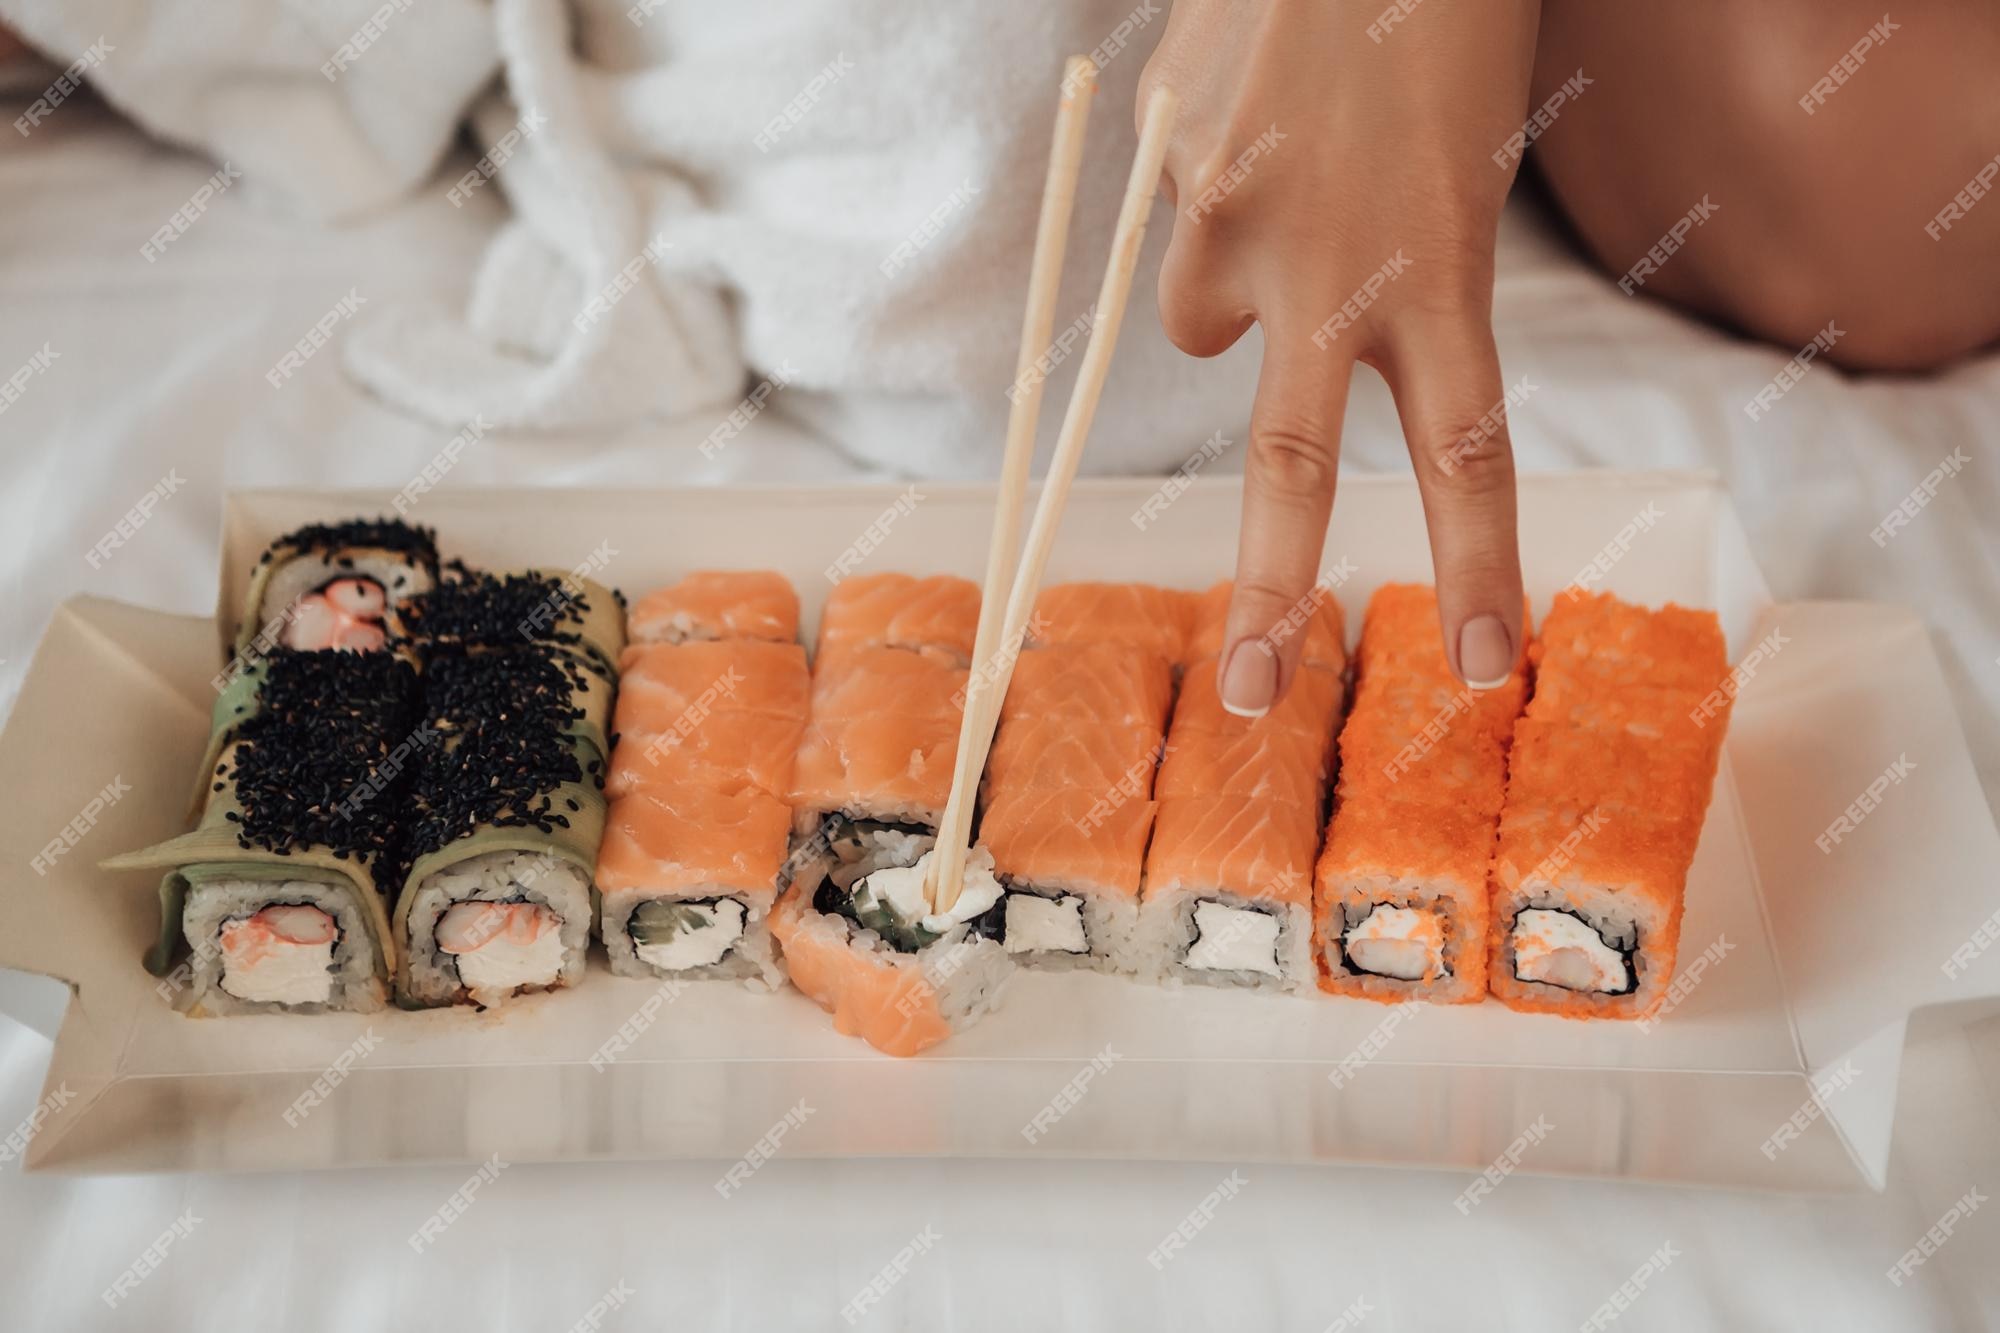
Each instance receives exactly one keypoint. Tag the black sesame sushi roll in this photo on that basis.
(278, 893)
(504, 816)
(336, 586)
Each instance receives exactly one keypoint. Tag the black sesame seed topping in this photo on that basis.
(418, 544)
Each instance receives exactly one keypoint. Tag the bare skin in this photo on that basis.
(1397, 120)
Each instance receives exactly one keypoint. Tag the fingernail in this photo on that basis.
(1485, 653)
(1249, 679)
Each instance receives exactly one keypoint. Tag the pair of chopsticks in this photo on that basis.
(998, 641)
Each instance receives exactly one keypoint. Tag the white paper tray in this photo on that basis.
(1827, 961)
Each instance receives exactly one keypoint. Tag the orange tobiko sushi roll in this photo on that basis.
(1400, 892)
(1609, 785)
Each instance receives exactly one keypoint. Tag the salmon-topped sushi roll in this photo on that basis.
(1106, 683)
(901, 611)
(1268, 763)
(858, 926)
(672, 687)
(1133, 615)
(1310, 708)
(1228, 892)
(1070, 862)
(1609, 784)
(1316, 621)
(725, 751)
(688, 876)
(1094, 758)
(718, 604)
(902, 1001)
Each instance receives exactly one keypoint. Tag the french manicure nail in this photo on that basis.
(1485, 653)
(1249, 679)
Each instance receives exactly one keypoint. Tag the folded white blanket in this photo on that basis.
(703, 196)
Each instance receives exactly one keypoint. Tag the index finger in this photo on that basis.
(1288, 485)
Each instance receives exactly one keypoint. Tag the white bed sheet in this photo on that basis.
(161, 371)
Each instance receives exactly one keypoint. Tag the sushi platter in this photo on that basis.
(643, 873)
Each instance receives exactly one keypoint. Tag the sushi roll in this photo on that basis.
(475, 609)
(1067, 801)
(939, 613)
(337, 585)
(699, 830)
(1401, 888)
(873, 775)
(1227, 896)
(504, 814)
(279, 891)
(863, 946)
(883, 733)
(718, 604)
(1154, 620)
(1069, 862)
(1316, 620)
(1608, 788)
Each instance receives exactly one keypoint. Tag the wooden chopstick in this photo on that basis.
(1140, 189)
(1079, 85)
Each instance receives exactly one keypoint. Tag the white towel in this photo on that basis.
(699, 191)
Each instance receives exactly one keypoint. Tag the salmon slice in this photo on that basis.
(1311, 707)
(1318, 621)
(854, 683)
(1047, 754)
(1263, 762)
(1595, 635)
(672, 840)
(1136, 615)
(725, 751)
(888, 1004)
(671, 687)
(901, 611)
(887, 767)
(1093, 682)
(1236, 845)
(718, 604)
(1068, 839)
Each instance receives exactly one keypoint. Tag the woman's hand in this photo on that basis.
(1338, 170)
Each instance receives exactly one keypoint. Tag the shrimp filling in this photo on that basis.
(1562, 949)
(282, 954)
(675, 935)
(1233, 939)
(346, 614)
(1406, 943)
(502, 946)
(1045, 925)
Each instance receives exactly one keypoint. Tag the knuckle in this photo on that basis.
(1289, 457)
(1471, 455)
